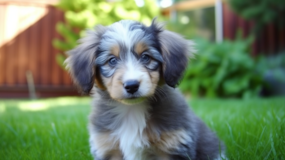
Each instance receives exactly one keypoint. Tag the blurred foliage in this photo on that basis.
(85, 14)
(273, 69)
(270, 62)
(260, 11)
(222, 70)
(194, 23)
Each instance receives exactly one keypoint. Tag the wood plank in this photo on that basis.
(20, 40)
(45, 49)
(230, 22)
(34, 51)
(2, 65)
(270, 32)
(241, 24)
(56, 78)
(11, 62)
(233, 25)
(2, 45)
(251, 25)
(281, 39)
(261, 39)
(67, 81)
(23, 57)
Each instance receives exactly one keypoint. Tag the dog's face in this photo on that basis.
(128, 60)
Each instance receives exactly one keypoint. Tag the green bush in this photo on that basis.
(83, 14)
(222, 70)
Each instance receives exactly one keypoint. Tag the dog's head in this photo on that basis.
(128, 60)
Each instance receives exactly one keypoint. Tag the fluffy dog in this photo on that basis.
(137, 114)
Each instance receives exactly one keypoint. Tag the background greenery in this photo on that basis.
(223, 70)
(52, 129)
(194, 23)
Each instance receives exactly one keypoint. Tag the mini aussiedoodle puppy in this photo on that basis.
(137, 114)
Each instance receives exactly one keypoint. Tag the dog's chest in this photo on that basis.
(131, 122)
(133, 133)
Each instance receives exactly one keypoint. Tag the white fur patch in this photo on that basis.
(132, 73)
(132, 119)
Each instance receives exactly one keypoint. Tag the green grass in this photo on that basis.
(40, 131)
(56, 128)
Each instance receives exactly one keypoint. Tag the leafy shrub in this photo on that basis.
(83, 14)
(222, 70)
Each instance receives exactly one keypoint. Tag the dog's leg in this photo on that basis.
(175, 145)
(103, 148)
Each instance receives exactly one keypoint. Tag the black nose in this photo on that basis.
(132, 86)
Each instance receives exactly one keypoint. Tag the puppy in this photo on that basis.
(132, 70)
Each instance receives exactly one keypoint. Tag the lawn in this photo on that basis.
(56, 128)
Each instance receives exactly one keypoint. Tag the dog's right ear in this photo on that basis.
(80, 62)
(175, 51)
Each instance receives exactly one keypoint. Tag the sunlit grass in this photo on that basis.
(251, 129)
(56, 131)
(57, 128)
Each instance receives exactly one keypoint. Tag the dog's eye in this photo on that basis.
(113, 61)
(145, 58)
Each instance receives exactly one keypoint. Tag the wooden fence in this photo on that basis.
(26, 34)
(271, 39)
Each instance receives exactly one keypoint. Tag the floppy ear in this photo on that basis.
(80, 62)
(175, 52)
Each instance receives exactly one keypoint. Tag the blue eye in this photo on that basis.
(145, 58)
(113, 61)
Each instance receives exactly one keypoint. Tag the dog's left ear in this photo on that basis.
(80, 62)
(176, 52)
